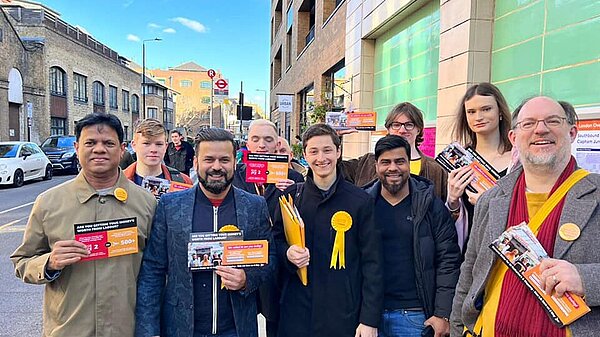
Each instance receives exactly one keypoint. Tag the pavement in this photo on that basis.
(21, 304)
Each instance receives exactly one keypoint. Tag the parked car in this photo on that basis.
(22, 161)
(61, 152)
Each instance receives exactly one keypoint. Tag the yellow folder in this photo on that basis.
(294, 230)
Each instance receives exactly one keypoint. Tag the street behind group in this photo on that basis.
(393, 245)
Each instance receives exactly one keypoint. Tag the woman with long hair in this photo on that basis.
(483, 122)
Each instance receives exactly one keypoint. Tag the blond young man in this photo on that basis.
(150, 145)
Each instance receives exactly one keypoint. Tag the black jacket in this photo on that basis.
(436, 251)
(269, 292)
(335, 300)
(182, 160)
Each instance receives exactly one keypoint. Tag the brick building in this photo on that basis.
(430, 52)
(193, 85)
(75, 74)
(160, 103)
(18, 91)
(307, 59)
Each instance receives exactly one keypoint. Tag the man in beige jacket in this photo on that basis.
(90, 297)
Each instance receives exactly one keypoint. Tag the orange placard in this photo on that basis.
(108, 238)
(266, 168)
(362, 120)
(207, 250)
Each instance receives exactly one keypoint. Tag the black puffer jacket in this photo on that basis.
(436, 251)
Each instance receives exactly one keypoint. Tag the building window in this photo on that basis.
(288, 47)
(98, 89)
(205, 85)
(206, 100)
(160, 80)
(336, 86)
(1, 36)
(80, 88)
(58, 126)
(168, 117)
(57, 81)
(290, 17)
(306, 23)
(276, 68)
(125, 94)
(152, 113)
(135, 104)
(151, 90)
(112, 97)
(126, 132)
(185, 83)
(307, 104)
(276, 21)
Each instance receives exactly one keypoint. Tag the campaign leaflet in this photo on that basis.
(521, 251)
(158, 186)
(340, 120)
(108, 238)
(454, 156)
(265, 168)
(208, 250)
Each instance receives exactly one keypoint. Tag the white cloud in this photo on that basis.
(134, 38)
(191, 24)
(127, 3)
(153, 25)
(169, 30)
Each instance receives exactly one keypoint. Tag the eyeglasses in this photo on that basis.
(407, 126)
(551, 122)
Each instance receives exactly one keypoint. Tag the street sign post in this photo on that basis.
(211, 73)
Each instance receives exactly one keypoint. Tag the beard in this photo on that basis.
(215, 187)
(547, 160)
(393, 188)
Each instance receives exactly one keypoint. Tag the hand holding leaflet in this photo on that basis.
(294, 230)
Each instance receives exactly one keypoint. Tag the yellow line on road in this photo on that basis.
(11, 223)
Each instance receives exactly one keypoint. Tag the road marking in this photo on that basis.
(12, 223)
(15, 208)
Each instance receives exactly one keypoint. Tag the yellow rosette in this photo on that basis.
(341, 221)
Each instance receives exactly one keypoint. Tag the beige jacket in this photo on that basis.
(90, 298)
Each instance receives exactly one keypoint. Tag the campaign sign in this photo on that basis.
(108, 238)
(208, 250)
(366, 121)
(266, 168)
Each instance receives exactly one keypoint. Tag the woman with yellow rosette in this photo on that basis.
(343, 251)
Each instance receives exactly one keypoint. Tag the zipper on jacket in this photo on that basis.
(215, 277)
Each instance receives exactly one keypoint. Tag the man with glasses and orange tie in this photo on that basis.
(404, 120)
(559, 203)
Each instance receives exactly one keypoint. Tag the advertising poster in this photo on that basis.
(586, 147)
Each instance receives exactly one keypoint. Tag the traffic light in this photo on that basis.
(246, 113)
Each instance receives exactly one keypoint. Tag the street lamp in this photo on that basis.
(144, 73)
(267, 115)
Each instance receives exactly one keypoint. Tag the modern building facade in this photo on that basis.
(76, 74)
(430, 52)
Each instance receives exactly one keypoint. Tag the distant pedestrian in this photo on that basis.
(180, 154)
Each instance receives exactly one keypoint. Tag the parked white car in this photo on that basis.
(22, 161)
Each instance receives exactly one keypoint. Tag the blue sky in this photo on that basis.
(230, 35)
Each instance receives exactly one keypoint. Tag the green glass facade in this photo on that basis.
(548, 47)
(406, 64)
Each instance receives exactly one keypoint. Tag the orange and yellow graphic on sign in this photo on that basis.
(362, 120)
(263, 168)
(108, 238)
